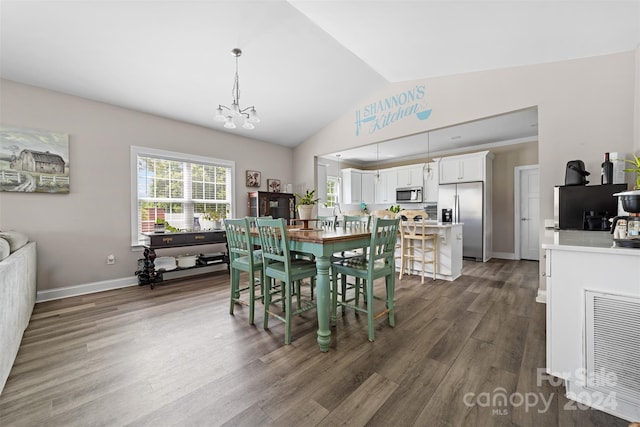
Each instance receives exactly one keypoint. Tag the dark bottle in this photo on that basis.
(606, 176)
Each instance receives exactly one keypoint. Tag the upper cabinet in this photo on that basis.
(358, 186)
(431, 182)
(351, 186)
(386, 188)
(410, 176)
(464, 168)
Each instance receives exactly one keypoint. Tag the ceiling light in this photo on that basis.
(378, 179)
(228, 114)
(427, 166)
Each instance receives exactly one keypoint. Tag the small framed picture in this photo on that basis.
(273, 185)
(253, 178)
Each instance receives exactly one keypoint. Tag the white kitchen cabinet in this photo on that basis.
(431, 183)
(358, 186)
(351, 186)
(386, 188)
(368, 190)
(410, 176)
(464, 168)
(583, 270)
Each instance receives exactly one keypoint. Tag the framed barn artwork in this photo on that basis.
(34, 161)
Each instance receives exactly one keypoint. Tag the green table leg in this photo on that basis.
(323, 293)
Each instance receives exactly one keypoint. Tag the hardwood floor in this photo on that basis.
(174, 356)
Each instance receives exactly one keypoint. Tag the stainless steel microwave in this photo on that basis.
(409, 195)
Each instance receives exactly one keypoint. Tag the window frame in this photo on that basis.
(336, 194)
(175, 156)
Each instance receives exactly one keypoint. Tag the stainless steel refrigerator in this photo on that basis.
(466, 201)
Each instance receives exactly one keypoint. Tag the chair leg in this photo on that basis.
(435, 256)
(288, 313)
(370, 309)
(423, 261)
(390, 283)
(234, 279)
(334, 296)
(252, 297)
(267, 301)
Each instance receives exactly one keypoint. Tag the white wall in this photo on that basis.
(585, 107)
(75, 232)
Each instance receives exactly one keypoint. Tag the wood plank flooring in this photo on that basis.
(173, 356)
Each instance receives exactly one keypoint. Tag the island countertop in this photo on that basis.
(585, 241)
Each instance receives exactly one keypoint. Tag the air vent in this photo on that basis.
(613, 345)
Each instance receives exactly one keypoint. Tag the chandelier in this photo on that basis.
(229, 115)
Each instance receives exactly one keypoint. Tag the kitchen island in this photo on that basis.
(449, 252)
(593, 320)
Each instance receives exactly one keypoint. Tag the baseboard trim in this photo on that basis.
(108, 285)
(86, 288)
(503, 255)
(542, 296)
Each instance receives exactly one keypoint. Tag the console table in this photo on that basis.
(149, 275)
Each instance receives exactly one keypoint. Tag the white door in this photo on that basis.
(529, 213)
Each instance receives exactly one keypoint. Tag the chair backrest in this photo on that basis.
(326, 222)
(274, 240)
(252, 220)
(384, 214)
(414, 215)
(239, 239)
(384, 234)
(413, 224)
(349, 221)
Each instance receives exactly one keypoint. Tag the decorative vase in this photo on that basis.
(305, 211)
(158, 228)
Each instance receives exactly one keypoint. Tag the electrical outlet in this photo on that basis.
(111, 259)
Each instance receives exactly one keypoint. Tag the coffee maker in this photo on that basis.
(626, 229)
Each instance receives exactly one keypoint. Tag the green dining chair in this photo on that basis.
(326, 222)
(243, 257)
(379, 262)
(351, 222)
(289, 272)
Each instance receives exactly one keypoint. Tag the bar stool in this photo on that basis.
(414, 235)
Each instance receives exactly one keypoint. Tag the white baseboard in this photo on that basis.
(86, 288)
(503, 255)
(542, 296)
(107, 285)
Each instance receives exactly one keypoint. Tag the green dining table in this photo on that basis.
(322, 244)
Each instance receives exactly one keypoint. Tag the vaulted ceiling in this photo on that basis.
(304, 63)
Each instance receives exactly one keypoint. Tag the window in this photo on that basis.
(176, 188)
(332, 191)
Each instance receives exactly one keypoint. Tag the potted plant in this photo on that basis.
(636, 168)
(305, 204)
(158, 227)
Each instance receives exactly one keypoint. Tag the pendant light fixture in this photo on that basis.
(339, 170)
(378, 179)
(427, 166)
(229, 115)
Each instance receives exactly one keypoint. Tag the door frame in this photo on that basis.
(517, 171)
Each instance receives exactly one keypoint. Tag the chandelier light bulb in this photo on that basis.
(248, 125)
(229, 124)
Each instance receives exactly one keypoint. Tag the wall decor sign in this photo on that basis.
(384, 112)
(273, 185)
(253, 178)
(34, 161)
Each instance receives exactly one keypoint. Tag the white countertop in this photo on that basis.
(584, 241)
(436, 224)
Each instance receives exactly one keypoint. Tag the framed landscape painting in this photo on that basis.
(34, 161)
